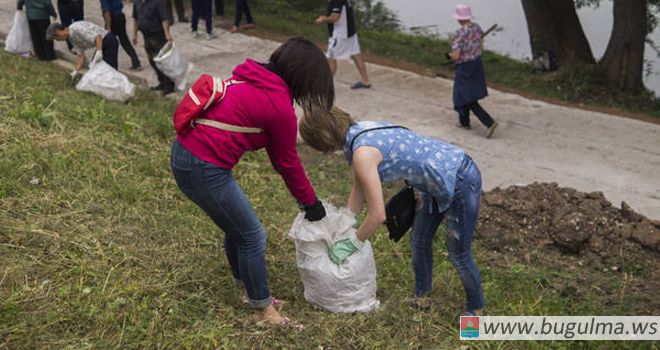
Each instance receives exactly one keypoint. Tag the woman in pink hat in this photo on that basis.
(470, 78)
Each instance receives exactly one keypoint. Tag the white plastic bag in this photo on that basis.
(349, 287)
(172, 63)
(18, 40)
(106, 81)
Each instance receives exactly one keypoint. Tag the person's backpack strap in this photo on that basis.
(220, 86)
(377, 128)
(204, 92)
(226, 127)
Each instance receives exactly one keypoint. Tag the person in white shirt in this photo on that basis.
(84, 36)
(343, 43)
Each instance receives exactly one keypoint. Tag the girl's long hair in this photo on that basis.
(326, 132)
(305, 69)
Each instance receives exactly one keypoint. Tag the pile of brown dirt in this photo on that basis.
(565, 230)
(563, 219)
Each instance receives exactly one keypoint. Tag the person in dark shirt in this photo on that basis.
(115, 22)
(70, 11)
(343, 42)
(151, 18)
(38, 13)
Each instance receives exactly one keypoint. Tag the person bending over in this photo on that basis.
(447, 179)
(260, 97)
(84, 36)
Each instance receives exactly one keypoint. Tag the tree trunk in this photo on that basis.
(554, 26)
(623, 62)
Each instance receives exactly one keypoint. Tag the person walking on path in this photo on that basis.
(70, 11)
(85, 36)
(343, 43)
(115, 22)
(180, 11)
(470, 77)
(260, 97)
(242, 6)
(202, 8)
(38, 13)
(150, 17)
(446, 178)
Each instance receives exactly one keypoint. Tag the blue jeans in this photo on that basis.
(215, 191)
(461, 217)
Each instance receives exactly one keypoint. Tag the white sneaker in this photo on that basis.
(194, 34)
(210, 36)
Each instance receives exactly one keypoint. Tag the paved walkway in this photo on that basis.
(536, 141)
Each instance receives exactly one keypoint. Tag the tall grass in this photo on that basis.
(100, 250)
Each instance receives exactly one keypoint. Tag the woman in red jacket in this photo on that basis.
(202, 159)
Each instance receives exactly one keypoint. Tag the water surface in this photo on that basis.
(513, 40)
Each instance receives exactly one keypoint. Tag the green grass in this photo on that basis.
(99, 249)
(581, 85)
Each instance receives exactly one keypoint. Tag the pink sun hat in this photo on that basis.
(462, 12)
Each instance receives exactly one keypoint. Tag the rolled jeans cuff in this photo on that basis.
(257, 304)
(261, 304)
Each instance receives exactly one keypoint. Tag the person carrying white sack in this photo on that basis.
(151, 18)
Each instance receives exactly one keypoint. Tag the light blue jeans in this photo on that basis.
(461, 217)
(215, 191)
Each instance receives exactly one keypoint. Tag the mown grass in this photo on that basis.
(581, 85)
(99, 249)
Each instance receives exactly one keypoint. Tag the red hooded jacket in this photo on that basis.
(262, 101)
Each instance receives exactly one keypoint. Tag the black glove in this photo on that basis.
(314, 212)
(447, 55)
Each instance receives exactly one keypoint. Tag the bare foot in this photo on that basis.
(233, 29)
(272, 317)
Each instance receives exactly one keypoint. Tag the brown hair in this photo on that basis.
(326, 132)
(305, 69)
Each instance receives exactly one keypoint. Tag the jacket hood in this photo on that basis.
(257, 75)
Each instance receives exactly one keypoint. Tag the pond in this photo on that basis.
(513, 39)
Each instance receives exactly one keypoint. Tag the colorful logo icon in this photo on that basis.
(469, 326)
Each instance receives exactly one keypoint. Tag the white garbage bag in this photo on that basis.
(172, 63)
(18, 40)
(349, 287)
(106, 81)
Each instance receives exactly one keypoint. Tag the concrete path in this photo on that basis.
(535, 141)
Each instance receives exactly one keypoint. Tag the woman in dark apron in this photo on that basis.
(470, 78)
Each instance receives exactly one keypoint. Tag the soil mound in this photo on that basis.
(564, 219)
(612, 251)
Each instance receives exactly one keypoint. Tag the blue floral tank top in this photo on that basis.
(427, 164)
